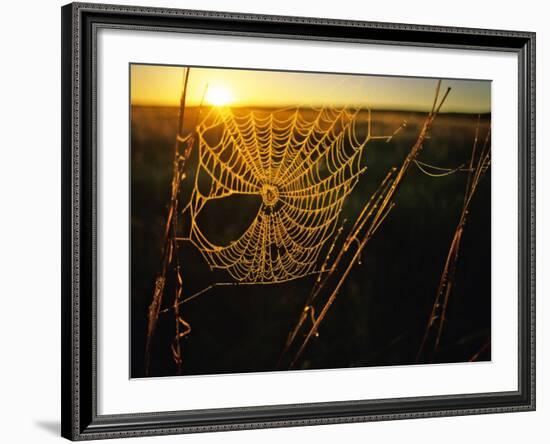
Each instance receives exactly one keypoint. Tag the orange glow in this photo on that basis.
(218, 95)
(161, 85)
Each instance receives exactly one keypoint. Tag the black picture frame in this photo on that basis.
(80, 22)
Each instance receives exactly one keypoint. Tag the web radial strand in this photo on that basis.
(303, 163)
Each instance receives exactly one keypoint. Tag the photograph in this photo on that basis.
(284, 220)
(291, 220)
(259, 223)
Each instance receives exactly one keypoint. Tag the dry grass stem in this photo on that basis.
(370, 219)
(478, 165)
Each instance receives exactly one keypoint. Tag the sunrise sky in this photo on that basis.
(156, 85)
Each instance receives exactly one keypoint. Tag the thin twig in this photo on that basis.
(439, 308)
(483, 348)
(380, 213)
(169, 232)
(323, 278)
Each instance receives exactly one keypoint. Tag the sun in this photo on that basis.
(218, 96)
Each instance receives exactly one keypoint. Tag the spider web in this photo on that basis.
(302, 163)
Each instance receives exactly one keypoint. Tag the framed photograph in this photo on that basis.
(279, 221)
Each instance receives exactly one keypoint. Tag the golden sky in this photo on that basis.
(159, 85)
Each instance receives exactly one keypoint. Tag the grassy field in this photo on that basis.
(382, 311)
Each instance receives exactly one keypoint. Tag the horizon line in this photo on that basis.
(417, 110)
